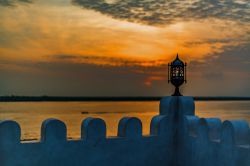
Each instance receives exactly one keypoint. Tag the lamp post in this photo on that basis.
(177, 74)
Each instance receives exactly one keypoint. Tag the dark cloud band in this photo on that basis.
(161, 12)
(13, 2)
(108, 61)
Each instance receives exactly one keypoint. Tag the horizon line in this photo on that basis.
(45, 98)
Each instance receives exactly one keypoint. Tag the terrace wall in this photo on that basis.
(177, 138)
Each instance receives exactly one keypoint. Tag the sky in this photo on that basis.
(122, 47)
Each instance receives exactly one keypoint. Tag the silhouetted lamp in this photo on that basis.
(177, 74)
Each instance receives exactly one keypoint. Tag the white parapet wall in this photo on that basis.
(177, 138)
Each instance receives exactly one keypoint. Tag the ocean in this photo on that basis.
(30, 115)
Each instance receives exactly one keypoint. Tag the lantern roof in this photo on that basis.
(177, 62)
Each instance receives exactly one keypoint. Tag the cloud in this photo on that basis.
(106, 60)
(233, 59)
(67, 78)
(13, 2)
(72, 74)
(162, 12)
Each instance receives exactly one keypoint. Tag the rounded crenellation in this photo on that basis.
(209, 128)
(235, 132)
(159, 125)
(53, 130)
(10, 133)
(191, 125)
(93, 130)
(234, 139)
(130, 127)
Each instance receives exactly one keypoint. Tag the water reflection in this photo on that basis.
(30, 115)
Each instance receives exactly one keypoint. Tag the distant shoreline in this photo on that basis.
(107, 99)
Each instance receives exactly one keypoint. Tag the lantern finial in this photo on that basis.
(177, 74)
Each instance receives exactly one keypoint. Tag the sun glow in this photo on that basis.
(50, 31)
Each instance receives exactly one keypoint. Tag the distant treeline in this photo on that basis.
(140, 98)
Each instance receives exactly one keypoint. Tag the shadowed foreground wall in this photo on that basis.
(177, 138)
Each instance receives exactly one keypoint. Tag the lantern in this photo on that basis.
(177, 74)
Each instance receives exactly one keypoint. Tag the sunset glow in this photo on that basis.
(47, 38)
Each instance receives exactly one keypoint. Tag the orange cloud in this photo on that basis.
(36, 33)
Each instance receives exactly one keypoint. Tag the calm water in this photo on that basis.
(31, 114)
